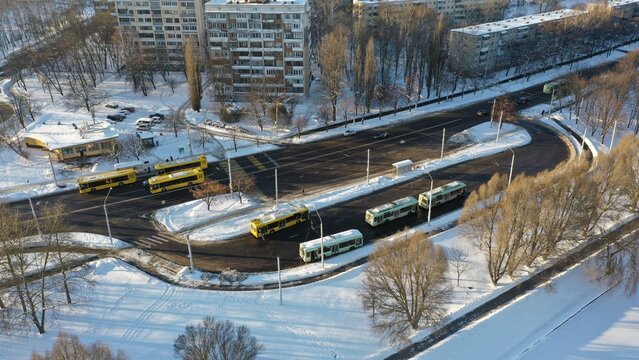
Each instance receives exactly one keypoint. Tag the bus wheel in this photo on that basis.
(121, 183)
(190, 183)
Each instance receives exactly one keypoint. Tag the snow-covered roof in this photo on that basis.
(282, 210)
(59, 135)
(519, 22)
(399, 202)
(256, 2)
(394, 2)
(616, 3)
(331, 239)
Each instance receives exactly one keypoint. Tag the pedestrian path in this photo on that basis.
(156, 240)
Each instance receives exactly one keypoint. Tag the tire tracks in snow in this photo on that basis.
(138, 324)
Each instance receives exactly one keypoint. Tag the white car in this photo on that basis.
(350, 132)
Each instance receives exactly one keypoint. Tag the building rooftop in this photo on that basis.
(381, 2)
(61, 135)
(255, 2)
(495, 27)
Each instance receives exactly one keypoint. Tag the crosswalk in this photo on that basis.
(155, 241)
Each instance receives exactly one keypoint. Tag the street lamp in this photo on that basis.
(106, 215)
(321, 236)
(430, 196)
(35, 217)
(512, 164)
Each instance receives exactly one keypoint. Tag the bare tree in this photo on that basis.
(69, 346)
(193, 75)
(175, 121)
(458, 259)
(172, 83)
(332, 61)
(370, 74)
(243, 184)
(213, 339)
(132, 146)
(405, 286)
(208, 190)
(299, 123)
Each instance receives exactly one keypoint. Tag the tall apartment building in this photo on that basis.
(261, 43)
(160, 26)
(482, 48)
(457, 10)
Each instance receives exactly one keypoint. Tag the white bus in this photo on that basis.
(333, 244)
(442, 194)
(391, 211)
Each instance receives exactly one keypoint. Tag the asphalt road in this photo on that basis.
(322, 164)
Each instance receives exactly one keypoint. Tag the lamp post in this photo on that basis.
(106, 215)
(188, 244)
(430, 197)
(35, 217)
(321, 236)
(512, 164)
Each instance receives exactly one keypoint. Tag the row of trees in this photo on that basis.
(27, 295)
(536, 218)
(607, 99)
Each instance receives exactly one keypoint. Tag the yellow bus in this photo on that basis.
(182, 164)
(175, 180)
(106, 180)
(281, 218)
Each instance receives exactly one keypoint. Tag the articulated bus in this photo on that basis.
(106, 180)
(175, 180)
(553, 85)
(391, 211)
(444, 193)
(333, 244)
(286, 216)
(182, 164)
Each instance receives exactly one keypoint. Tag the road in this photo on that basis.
(322, 164)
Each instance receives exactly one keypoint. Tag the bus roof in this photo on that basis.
(105, 175)
(451, 186)
(175, 175)
(281, 211)
(161, 165)
(409, 200)
(332, 239)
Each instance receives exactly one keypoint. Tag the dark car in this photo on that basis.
(130, 109)
(483, 112)
(116, 117)
(157, 115)
(111, 105)
(380, 135)
(522, 100)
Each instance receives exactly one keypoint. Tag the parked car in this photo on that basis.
(115, 117)
(161, 116)
(483, 112)
(522, 100)
(143, 127)
(380, 135)
(111, 105)
(130, 109)
(156, 119)
(144, 121)
(124, 113)
(350, 132)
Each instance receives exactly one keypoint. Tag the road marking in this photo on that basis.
(256, 162)
(143, 243)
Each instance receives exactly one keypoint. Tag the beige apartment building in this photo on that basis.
(160, 26)
(457, 10)
(483, 48)
(261, 43)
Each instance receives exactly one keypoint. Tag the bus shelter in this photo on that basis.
(402, 167)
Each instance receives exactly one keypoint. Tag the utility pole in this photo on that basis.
(188, 245)
(279, 278)
(276, 191)
(230, 175)
(55, 180)
(492, 112)
(368, 166)
(512, 164)
(612, 139)
(35, 217)
(430, 197)
(501, 114)
(441, 157)
(552, 98)
(106, 215)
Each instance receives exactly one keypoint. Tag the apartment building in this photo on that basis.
(457, 10)
(482, 48)
(261, 43)
(158, 26)
(625, 8)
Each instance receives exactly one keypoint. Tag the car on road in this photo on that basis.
(483, 112)
(380, 135)
(522, 100)
(350, 132)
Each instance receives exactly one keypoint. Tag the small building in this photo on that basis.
(70, 141)
(402, 167)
